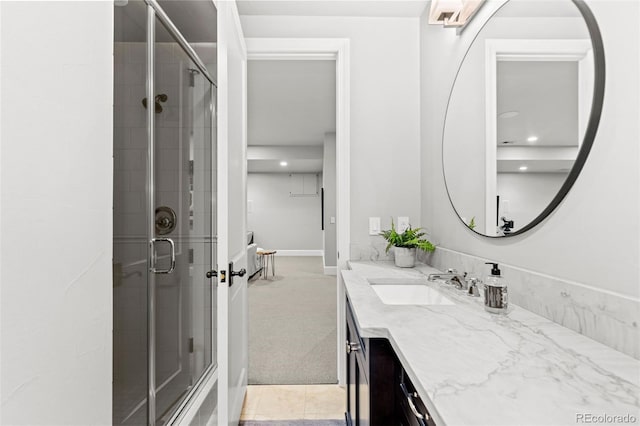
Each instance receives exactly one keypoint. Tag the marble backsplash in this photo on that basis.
(609, 318)
(373, 250)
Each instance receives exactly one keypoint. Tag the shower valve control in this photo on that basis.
(166, 220)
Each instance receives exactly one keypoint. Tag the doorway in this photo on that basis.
(338, 50)
(291, 198)
(163, 233)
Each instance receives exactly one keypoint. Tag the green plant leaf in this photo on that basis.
(472, 223)
(410, 238)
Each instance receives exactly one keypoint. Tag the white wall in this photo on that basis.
(596, 227)
(56, 227)
(384, 111)
(281, 222)
(523, 196)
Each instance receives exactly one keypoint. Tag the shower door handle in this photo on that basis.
(172, 247)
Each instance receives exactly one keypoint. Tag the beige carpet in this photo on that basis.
(292, 324)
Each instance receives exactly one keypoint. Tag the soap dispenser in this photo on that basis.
(495, 292)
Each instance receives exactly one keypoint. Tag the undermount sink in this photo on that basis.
(409, 294)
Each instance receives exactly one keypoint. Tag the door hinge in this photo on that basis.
(190, 345)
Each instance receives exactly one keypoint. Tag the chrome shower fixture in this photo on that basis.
(159, 98)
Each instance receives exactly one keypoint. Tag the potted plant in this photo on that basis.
(405, 244)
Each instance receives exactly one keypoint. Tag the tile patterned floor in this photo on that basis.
(291, 402)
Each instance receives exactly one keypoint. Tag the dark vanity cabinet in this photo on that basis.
(411, 409)
(371, 368)
(379, 393)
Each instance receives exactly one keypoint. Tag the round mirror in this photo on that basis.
(522, 114)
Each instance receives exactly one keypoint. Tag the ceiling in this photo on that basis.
(196, 19)
(290, 102)
(539, 9)
(298, 159)
(371, 8)
(537, 166)
(293, 166)
(291, 105)
(545, 96)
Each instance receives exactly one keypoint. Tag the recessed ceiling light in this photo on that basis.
(283, 163)
(523, 168)
(532, 138)
(508, 114)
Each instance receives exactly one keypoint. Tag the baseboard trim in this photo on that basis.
(331, 270)
(299, 252)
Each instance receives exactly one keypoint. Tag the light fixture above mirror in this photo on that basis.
(453, 13)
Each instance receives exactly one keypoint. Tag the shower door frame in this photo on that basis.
(155, 11)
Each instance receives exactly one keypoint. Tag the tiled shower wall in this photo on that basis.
(129, 230)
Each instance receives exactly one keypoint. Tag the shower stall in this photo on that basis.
(163, 206)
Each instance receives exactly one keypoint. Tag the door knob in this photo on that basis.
(212, 273)
(233, 273)
(239, 273)
(352, 347)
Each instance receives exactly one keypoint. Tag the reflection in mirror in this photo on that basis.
(518, 114)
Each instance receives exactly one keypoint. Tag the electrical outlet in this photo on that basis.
(403, 223)
(374, 225)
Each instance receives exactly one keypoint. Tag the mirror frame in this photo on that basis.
(599, 77)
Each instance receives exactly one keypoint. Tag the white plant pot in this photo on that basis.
(405, 257)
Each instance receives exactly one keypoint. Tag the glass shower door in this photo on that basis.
(183, 214)
(164, 208)
(130, 216)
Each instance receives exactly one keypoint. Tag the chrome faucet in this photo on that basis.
(452, 277)
(473, 287)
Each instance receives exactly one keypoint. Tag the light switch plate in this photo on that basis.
(374, 225)
(403, 223)
(332, 219)
(504, 207)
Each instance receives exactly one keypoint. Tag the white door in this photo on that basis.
(232, 235)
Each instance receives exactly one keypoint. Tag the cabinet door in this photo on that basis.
(363, 395)
(352, 381)
(412, 409)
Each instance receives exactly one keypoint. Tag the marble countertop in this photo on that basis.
(475, 368)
